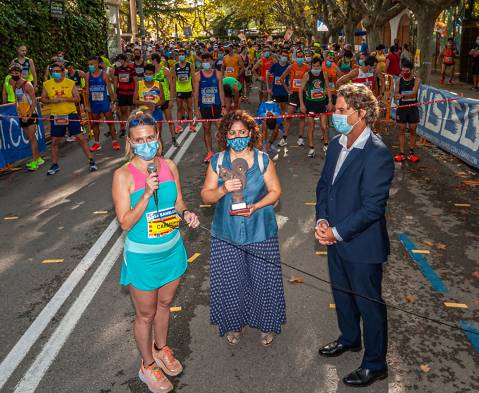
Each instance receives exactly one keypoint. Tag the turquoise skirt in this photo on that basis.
(150, 266)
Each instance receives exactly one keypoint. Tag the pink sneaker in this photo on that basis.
(116, 146)
(192, 128)
(167, 362)
(155, 379)
(95, 147)
(178, 129)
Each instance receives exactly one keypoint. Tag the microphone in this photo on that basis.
(151, 168)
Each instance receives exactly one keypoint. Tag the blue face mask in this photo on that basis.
(181, 57)
(266, 54)
(283, 59)
(206, 66)
(56, 75)
(361, 62)
(340, 122)
(91, 68)
(221, 55)
(238, 144)
(148, 78)
(300, 60)
(328, 64)
(146, 151)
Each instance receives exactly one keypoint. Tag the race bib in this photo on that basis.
(162, 223)
(97, 96)
(297, 83)
(332, 86)
(230, 70)
(208, 99)
(25, 73)
(248, 72)
(448, 60)
(139, 70)
(277, 81)
(124, 78)
(148, 96)
(61, 120)
(316, 93)
(183, 78)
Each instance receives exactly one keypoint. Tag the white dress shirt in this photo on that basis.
(358, 144)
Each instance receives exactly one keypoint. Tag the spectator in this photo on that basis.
(381, 58)
(364, 46)
(406, 54)
(448, 54)
(392, 62)
(474, 52)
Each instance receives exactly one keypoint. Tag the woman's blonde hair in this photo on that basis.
(140, 118)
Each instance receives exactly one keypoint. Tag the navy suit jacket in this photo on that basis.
(356, 202)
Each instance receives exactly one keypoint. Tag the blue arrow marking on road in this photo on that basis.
(471, 332)
(423, 264)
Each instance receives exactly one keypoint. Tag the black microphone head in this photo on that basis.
(151, 168)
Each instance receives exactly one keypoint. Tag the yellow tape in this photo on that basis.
(193, 257)
(11, 218)
(175, 309)
(205, 205)
(462, 205)
(310, 203)
(332, 305)
(455, 305)
(101, 212)
(321, 253)
(421, 251)
(53, 260)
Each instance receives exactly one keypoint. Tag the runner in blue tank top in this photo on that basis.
(209, 98)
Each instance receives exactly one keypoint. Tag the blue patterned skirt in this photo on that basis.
(247, 286)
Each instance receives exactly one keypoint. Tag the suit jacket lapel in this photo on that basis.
(352, 156)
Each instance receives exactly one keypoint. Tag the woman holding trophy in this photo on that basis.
(246, 278)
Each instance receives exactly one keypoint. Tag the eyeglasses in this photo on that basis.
(147, 121)
(238, 133)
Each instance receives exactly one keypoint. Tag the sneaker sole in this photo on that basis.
(143, 379)
(165, 369)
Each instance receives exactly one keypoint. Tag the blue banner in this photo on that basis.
(14, 143)
(451, 125)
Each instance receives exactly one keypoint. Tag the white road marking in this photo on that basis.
(37, 370)
(281, 220)
(35, 373)
(23, 346)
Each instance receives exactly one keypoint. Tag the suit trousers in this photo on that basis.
(364, 279)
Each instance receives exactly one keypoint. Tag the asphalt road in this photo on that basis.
(73, 321)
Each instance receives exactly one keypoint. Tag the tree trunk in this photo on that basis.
(375, 36)
(425, 42)
(349, 28)
(335, 35)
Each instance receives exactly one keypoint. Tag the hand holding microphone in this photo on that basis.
(151, 187)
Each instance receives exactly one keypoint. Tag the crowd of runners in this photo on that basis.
(206, 80)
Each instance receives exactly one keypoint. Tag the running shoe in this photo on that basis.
(413, 157)
(311, 153)
(175, 142)
(154, 378)
(300, 141)
(283, 142)
(325, 147)
(40, 161)
(451, 82)
(165, 359)
(72, 138)
(178, 129)
(441, 81)
(95, 147)
(32, 165)
(53, 169)
(92, 166)
(208, 157)
(400, 157)
(192, 128)
(115, 145)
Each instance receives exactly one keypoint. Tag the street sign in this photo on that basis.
(57, 9)
(320, 26)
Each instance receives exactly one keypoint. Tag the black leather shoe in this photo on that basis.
(335, 349)
(364, 377)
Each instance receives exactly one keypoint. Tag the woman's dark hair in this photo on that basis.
(405, 63)
(371, 61)
(247, 120)
(316, 59)
(150, 67)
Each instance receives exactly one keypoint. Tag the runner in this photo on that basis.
(138, 63)
(29, 72)
(232, 64)
(98, 102)
(318, 101)
(163, 75)
(260, 71)
(270, 108)
(209, 99)
(182, 77)
(331, 69)
(220, 58)
(124, 80)
(448, 54)
(61, 95)
(149, 92)
(277, 88)
(406, 89)
(26, 110)
(366, 74)
(295, 72)
(232, 88)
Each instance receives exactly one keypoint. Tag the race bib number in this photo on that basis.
(61, 120)
(25, 73)
(97, 96)
(230, 70)
(448, 60)
(277, 81)
(248, 72)
(139, 70)
(208, 99)
(316, 93)
(124, 78)
(297, 83)
(183, 78)
(162, 223)
(332, 86)
(149, 97)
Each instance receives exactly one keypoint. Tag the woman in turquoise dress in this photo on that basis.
(154, 257)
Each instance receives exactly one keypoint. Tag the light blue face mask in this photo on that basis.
(300, 60)
(206, 66)
(148, 78)
(181, 57)
(56, 75)
(146, 151)
(238, 144)
(340, 122)
(361, 62)
(91, 68)
(283, 59)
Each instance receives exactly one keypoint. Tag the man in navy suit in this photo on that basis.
(352, 194)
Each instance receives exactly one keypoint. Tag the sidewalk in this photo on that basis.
(458, 87)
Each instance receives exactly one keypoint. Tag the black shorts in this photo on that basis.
(280, 99)
(30, 122)
(212, 112)
(475, 68)
(333, 97)
(408, 115)
(165, 105)
(315, 106)
(125, 100)
(183, 95)
(294, 99)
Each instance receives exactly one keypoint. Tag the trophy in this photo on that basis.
(238, 171)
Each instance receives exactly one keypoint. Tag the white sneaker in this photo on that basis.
(300, 141)
(325, 148)
(283, 142)
(312, 153)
